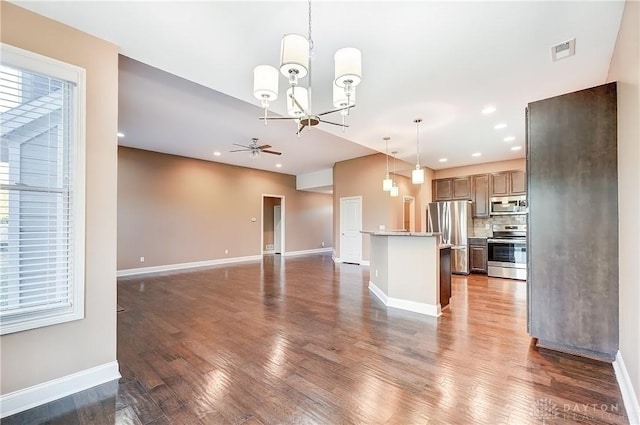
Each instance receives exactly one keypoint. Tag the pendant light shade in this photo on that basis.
(417, 175)
(387, 183)
(302, 97)
(294, 56)
(348, 62)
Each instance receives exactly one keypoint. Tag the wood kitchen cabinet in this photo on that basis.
(572, 238)
(452, 189)
(507, 183)
(480, 195)
(478, 255)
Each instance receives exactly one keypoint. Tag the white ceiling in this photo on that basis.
(440, 61)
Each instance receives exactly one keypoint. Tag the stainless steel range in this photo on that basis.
(507, 251)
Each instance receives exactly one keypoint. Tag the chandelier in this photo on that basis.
(295, 51)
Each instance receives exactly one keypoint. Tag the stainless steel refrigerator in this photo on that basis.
(452, 219)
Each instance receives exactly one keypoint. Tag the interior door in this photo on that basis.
(350, 227)
(277, 229)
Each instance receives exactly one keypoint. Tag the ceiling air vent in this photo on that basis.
(563, 50)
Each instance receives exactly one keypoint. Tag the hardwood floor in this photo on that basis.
(303, 341)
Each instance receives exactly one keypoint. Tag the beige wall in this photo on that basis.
(624, 69)
(487, 167)
(36, 356)
(174, 210)
(363, 177)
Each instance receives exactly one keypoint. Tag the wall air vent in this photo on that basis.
(563, 50)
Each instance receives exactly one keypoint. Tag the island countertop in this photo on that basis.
(398, 233)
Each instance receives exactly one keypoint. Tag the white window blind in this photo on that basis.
(41, 192)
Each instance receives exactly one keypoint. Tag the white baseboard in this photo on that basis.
(365, 263)
(180, 266)
(414, 306)
(21, 400)
(336, 259)
(361, 262)
(629, 397)
(308, 251)
(271, 251)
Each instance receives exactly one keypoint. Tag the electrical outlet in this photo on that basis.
(376, 272)
(322, 244)
(487, 226)
(142, 259)
(226, 251)
(268, 247)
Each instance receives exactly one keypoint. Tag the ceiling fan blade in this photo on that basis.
(272, 152)
(264, 147)
(241, 150)
(334, 123)
(242, 146)
(277, 118)
(336, 110)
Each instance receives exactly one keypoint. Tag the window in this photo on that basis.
(41, 191)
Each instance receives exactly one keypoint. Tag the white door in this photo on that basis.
(350, 227)
(277, 229)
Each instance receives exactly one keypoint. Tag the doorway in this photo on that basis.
(273, 225)
(409, 213)
(350, 227)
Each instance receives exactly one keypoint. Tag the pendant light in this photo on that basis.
(417, 175)
(395, 191)
(387, 183)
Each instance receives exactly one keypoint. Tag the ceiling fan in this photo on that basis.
(254, 149)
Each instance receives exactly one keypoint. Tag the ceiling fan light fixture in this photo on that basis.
(294, 56)
(254, 154)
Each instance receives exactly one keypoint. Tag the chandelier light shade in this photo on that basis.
(294, 56)
(348, 62)
(301, 96)
(417, 175)
(265, 83)
(387, 183)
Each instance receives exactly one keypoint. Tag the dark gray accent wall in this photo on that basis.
(573, 224)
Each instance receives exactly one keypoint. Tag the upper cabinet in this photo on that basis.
(507, 183)
(480, 195)
(479, 188)
(457, 188)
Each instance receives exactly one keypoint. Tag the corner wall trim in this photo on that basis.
(308, 251)
(416, 307)
(27, 398)
(180, 266)
(629, 397)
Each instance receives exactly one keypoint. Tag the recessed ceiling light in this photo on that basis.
(516, 148)
(120, 135)
(509, 139)
(499, 126)
(476, 154)
(488, 109)
(443, 160)
(216, 153)
(278, 165)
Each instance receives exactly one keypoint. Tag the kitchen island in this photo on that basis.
(405, 270)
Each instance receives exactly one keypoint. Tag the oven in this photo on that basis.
(507, 252)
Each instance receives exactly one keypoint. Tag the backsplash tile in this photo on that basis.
(480, 224)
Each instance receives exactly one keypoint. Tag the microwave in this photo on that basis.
(508, 205)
